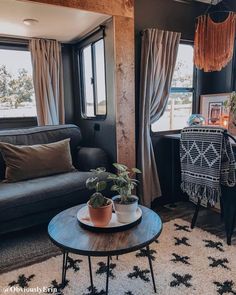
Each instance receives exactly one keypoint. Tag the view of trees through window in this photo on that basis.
(94, 80)
(179, 106)
(17, 97)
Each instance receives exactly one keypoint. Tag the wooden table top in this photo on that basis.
(64, 230)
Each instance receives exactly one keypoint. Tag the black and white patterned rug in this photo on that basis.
(185, 261)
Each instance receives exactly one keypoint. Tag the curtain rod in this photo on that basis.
(14, 40)
(91, 33)
(22, 41)
(142, 31)
(25, 40)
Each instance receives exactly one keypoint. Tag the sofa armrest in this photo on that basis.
(92, 158)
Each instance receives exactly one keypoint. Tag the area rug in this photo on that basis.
(25, 248)
(185, 262)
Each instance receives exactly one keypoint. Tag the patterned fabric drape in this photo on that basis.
(48, 81)
(214, 42)
(158, 58)
(207, 162)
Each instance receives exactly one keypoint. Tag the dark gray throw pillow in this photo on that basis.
(32, 161)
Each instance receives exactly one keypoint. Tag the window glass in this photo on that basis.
(179, 106)
(100, 77)
(17, 98)
(177, 112)
(94, 80)
(88, 81)
(183, 74)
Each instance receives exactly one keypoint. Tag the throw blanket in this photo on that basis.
(207, 162)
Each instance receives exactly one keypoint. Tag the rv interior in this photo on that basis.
(118, 147)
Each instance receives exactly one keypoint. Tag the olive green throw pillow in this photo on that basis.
(32, 161)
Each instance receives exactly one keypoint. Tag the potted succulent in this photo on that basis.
(100, 207)
(125, 204)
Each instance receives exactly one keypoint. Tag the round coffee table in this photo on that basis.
(65, 232)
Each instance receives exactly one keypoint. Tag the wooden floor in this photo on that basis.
(208, 220)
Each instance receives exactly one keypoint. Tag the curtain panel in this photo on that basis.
(158, 58)
(48, 81)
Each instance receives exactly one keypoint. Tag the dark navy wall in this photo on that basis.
(173, 16)
(166, 15)
(102, 133)
(170, 15)
(68, 82)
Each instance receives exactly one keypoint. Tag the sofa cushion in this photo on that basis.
(36, 195)
(32, 161)
(42, 135)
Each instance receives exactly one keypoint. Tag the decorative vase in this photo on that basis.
(101, 216)
(126, 213)
(196, 120)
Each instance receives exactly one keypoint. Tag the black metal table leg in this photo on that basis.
(196, 213)
(64, 268)
(228, 202)
(108, 270)
(151, 269)
(91, 274)
(117, 257)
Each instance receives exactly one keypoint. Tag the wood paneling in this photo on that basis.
(125, 97)
(111, 7)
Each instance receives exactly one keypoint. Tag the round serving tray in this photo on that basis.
(113, 226)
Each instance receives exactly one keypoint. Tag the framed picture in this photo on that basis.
(212, 107)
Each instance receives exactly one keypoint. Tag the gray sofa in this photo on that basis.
(27, 203)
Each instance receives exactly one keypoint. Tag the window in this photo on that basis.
(17, 97)
(93, 80)
(179, 106)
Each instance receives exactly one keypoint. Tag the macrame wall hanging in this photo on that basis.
(214, 42)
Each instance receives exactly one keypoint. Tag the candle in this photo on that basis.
(225, 121)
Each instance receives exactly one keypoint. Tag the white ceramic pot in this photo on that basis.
(126, 213)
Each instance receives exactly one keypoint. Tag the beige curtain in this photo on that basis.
(48, 81)
(158, 58)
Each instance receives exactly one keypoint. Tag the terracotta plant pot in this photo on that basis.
(100, 217)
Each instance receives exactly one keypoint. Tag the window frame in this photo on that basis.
(90, 40)
(181, 90)
(19, 45)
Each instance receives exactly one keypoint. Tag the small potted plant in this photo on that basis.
(230, 105)
(100, 207)
(125, 204)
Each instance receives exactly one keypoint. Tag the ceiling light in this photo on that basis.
(30, 21)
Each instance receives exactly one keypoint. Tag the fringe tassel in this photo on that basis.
(209, 194)
(214, 42)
